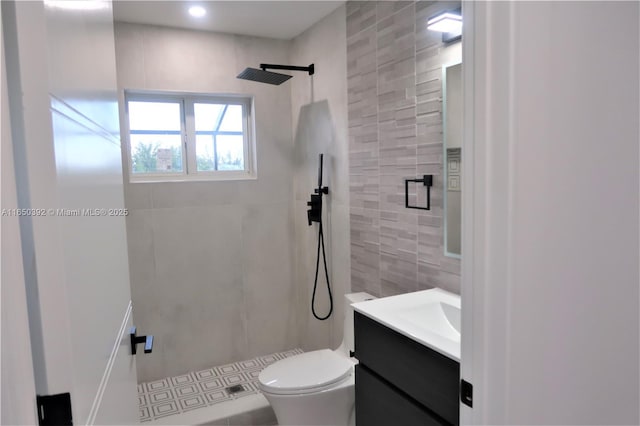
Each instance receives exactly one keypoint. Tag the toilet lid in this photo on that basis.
(305, 372)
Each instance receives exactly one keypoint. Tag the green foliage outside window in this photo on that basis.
(144, 159)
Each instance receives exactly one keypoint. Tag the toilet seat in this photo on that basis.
(306, 373)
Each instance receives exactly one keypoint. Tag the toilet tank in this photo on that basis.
(347, 329)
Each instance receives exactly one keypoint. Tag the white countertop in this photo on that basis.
(430, 317)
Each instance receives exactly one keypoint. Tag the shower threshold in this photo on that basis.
(223, 395)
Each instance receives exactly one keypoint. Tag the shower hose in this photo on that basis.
(326, 273)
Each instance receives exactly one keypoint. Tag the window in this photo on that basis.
(187, 137)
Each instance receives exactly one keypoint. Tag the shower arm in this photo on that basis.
(310, 69)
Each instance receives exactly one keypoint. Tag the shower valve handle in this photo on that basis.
(315, 212)
(322, 190)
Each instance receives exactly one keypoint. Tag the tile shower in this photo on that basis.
(206, 279)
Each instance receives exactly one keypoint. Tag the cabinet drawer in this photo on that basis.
(378, 404)
(427, 376)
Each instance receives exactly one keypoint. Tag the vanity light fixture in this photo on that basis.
(446, 22)
(449, 23)
(197, 11)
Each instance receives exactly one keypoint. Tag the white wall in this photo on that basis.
(211, 262)
(553, 282)
(319, 114)
(18, 387)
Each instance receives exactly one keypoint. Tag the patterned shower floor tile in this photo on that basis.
(198, 389)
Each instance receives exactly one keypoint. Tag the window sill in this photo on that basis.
(197, 178)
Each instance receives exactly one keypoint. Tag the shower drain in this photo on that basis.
(235, 389)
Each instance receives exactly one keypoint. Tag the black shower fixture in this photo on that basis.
(263, 76)
(314, 214)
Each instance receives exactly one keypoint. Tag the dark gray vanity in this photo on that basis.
(400, 381)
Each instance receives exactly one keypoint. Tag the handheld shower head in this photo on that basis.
(264, 76)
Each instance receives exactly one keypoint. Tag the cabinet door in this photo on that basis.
(426, 376)
(378, 403)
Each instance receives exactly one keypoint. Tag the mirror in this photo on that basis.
(452, 142)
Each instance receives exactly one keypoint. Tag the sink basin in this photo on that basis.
(430, 317)
(439, 316)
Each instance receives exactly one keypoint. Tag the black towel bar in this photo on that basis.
(427, 180)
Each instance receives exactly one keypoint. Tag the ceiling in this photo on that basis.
(274, 19)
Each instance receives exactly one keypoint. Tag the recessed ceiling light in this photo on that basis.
(197, 11)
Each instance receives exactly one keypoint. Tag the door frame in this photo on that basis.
(466, 271)
(17, 391)
(487, 213)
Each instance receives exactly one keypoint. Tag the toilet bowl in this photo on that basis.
(315, 388)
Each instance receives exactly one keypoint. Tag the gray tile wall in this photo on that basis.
(211, 263)
(394, 71)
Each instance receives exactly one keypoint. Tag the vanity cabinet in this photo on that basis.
(400, 381)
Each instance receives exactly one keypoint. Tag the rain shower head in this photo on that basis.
(264, 76)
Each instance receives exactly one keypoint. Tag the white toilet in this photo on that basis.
(315, 388)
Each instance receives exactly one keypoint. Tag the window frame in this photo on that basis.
(188, 136)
